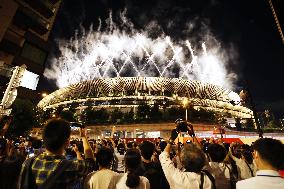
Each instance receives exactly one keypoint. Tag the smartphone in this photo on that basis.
(31, 155)
(76, 126)
(188, 141)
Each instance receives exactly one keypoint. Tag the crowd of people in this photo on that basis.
(57, 161)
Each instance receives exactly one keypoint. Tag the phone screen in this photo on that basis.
(31, 155)
(74, 128)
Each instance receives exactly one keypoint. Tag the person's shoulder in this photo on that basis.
(246, 183)
(112, 173)
(143, 179)
(90, 175)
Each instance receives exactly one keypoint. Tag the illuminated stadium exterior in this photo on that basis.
(130, 92)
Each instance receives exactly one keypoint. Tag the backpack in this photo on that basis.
(203, 173)
(233, 178)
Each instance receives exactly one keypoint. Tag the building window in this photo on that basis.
(33, 53)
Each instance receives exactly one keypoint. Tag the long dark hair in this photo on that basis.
(132, 162)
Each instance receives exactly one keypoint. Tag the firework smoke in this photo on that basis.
(121, 51)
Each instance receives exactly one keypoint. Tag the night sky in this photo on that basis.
(246, 25)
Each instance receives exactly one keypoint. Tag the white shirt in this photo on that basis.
(221, 173)
(179, 179)
(120, 183)
(266, 181)
(120, 163)
(99, 179)
(245, 169)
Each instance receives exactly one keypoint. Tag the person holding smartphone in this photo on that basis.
(51, 169)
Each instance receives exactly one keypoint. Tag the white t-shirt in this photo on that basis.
(245, 169)
(99, 179)
(120, 182)
(179, 179)
(120, 163)
(264, 179)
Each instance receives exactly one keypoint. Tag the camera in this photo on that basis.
(182, 126)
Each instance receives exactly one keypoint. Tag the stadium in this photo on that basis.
(124, 72)
(129, 92)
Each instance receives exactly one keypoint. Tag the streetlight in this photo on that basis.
(43, 94)
(185, 102)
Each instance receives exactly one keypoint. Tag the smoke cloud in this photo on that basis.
(121, 50)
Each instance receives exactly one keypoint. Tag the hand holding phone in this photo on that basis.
(75, 148)
(82, 132)
(174, 134)
(190, 130)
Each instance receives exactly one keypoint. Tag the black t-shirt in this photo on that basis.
(10, 169)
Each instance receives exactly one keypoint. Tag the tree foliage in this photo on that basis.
(174, 113)
(155, 114)
(96, 116)
(67, 115)
(238, 124)
(201, 115)
(128, 117)
(249, 124)
(116, 116)
(24, 118)
(273, 124)
(143, 112)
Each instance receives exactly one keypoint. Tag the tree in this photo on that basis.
(67, 115)
(24, 118)
(174, 113)
(96, 116)
(101, 115)
(116, 115)
(42, 116)
(128, 117)
(249, 124)
(143, 112)
(272, 124)
(155, 113)
(89, 115)
(57, 111)
(238, 124)
(201, 115)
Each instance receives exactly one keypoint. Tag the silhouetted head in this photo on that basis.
(56, 134)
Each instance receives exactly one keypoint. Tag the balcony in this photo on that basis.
(26, 19)
(9, 47)
(41, 6)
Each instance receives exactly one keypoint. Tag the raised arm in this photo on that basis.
(87, 148)
(191, 132)
(6, 127)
